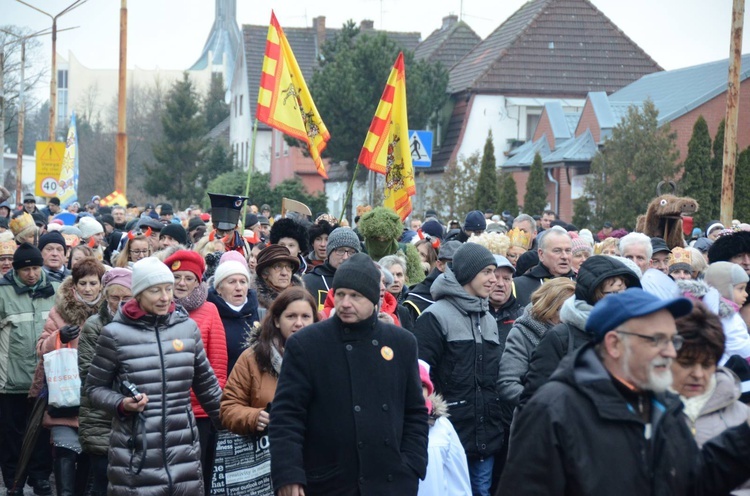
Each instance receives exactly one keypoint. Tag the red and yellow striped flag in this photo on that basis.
(284, 102)
(386, 149)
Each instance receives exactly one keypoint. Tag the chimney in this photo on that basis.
(319, 24)
(366, 25)
(449, 21)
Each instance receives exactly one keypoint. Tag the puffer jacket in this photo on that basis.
(158, 452)
(522, 340)
(23, 312)
(67, 311)
(458, 337)
(94, 425)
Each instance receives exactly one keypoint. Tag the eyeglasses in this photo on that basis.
(659, 340)
(118, 299)
(345, 251)
(139, 252)
(280, 266)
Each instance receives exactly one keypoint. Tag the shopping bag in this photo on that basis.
(242, 465)
(63, 381)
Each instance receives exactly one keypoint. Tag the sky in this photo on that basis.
(170, 34)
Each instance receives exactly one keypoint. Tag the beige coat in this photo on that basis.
(246, 394)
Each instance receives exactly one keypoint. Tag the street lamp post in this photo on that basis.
(53, 75)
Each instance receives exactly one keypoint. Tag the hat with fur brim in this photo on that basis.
(726, 247)
(272, 254)
(288, 228)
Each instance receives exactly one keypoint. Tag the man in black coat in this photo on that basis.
(348, 417)
(342, 244)
(555, 254)
(419, 295)
(606, 424)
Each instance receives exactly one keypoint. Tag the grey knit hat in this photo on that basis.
(342, 236)
(469, 261)
(360, 274)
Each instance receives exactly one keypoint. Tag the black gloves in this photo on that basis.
(68, 333)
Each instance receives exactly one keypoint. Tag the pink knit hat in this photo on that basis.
(233, 255)
(424, 376)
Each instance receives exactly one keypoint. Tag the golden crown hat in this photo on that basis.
(21, 222)
(680, 256)
(519, 238)
(7, 248)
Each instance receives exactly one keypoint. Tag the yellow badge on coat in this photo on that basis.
(178, 344)
(387, 353)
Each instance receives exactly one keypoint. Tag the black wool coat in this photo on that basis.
(348, 417)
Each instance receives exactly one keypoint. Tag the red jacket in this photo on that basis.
(215, 344)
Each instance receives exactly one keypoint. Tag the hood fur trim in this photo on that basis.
(71, 310)
(439, 407)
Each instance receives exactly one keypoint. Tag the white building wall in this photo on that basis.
(488, 112)
(241, 125)
(95, 90)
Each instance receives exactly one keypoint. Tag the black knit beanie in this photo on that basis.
(470, 260)
(27, 255)
(176, 232)
(360, 274)
(52, 237)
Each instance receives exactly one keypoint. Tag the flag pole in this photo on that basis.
(250, 169)
(349, 192)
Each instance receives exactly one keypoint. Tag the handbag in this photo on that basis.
(242, 465)
(61, 372)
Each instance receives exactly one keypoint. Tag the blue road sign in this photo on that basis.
(420, 143)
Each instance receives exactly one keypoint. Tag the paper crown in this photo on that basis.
(7, 248)
(21, 222)
(680, 256)
(519, 238)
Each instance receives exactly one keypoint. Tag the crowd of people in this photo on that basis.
(489, 355)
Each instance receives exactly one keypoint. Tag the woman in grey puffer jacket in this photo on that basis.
(152, 344)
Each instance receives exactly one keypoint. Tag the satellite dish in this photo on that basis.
(228, 97)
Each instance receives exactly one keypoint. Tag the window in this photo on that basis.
(531, 122)
(241, 104)
(62, 97)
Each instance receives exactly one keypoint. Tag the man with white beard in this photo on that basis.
(606, 424)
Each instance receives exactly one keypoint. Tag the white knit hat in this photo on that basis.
(229, 268)
(148, 272)
(89, 226)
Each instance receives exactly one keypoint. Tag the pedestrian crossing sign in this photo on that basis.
(420, 144)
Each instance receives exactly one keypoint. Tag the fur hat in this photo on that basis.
(726, 247)
(380, 222)
(186, 260)
(318, 229)
(288, 228)
(148, 272)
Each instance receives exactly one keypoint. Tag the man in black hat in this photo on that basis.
(54, 253)
(225, 214)
(29, 203)
(659, 255)
(26, 297)
(332, 431)
(166, 214)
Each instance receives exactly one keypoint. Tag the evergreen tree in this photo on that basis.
(742, 187)
(216, 161)
(508, 194)
(180, 151)
(214, 108)
(582, 212)
(624, 175)
(697, 177)
(717, 164)
(487, 193)
(535, 199)
(454, 191)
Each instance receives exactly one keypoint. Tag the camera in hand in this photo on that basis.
(129, 390)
